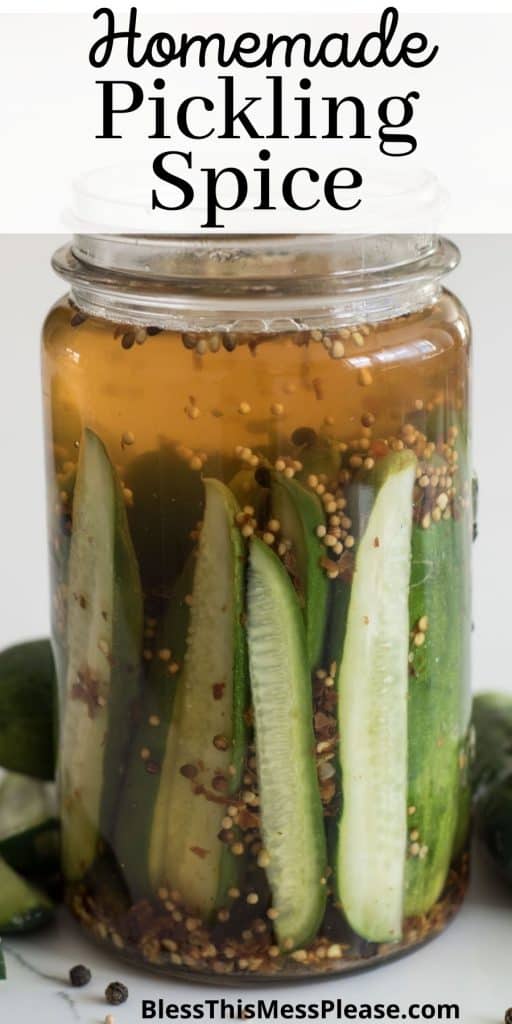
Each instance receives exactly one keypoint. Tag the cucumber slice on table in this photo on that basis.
(29, 830)
(23, 907)
(27, 688)
(372, 700)
(436, 676)
(185, 851)
(300, 513)
(291, 810)
(104, 640)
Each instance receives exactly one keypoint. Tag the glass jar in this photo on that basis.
(260, 524)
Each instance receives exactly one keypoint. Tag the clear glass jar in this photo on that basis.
(260, 528)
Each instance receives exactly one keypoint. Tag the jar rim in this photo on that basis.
(252, 258)
(233, 276)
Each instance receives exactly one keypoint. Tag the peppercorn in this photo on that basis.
(79, 976)
(116, 993)
(303, 435)
(508, 1015)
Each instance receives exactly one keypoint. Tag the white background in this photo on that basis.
(50, 110)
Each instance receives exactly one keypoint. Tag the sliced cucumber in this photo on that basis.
(27, 692)
(104, 640)
(136, 817)
(291, 809)
(185, 851)
(372, 695)
(300, 514)
(434, 709)
(23, 907)
(29, 830)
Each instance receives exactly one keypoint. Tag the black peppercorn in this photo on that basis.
(303, 435)
(79, 976)
(116, 993)
(508, 1015)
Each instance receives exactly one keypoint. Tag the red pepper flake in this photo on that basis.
(218, 690)
(87, 689)
(219, 783)
(152, 767)
(189, 771)
(199, 851)
(379, 448)
(376, 542)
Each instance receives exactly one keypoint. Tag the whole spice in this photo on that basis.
(79, 976)
(116, 993)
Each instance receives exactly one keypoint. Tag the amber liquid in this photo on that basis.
(173, 408)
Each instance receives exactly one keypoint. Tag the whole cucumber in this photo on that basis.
(492, 777)
(27, 691)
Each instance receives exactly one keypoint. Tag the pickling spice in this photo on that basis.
(264, 693)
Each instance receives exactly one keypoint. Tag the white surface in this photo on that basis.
(470, 964)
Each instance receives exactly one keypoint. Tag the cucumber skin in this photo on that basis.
(229, 866)
(492, 777)
(126, 663)
(386, 466)
(23, 907)
(27, 698)
(259, 551)
(290, 498)
(436, 678)
(140, 788)
(81, 835)
(34, 853)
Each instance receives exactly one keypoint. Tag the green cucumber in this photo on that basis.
(143, 776)
(291, 809)
(492, 777)
(248, 491)
(167, 499)
(436, 667)
(27, 691)
(104, 641)
(29, 829)
(23, 907)
(300, 513)
(372, 708)
(185, 851)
